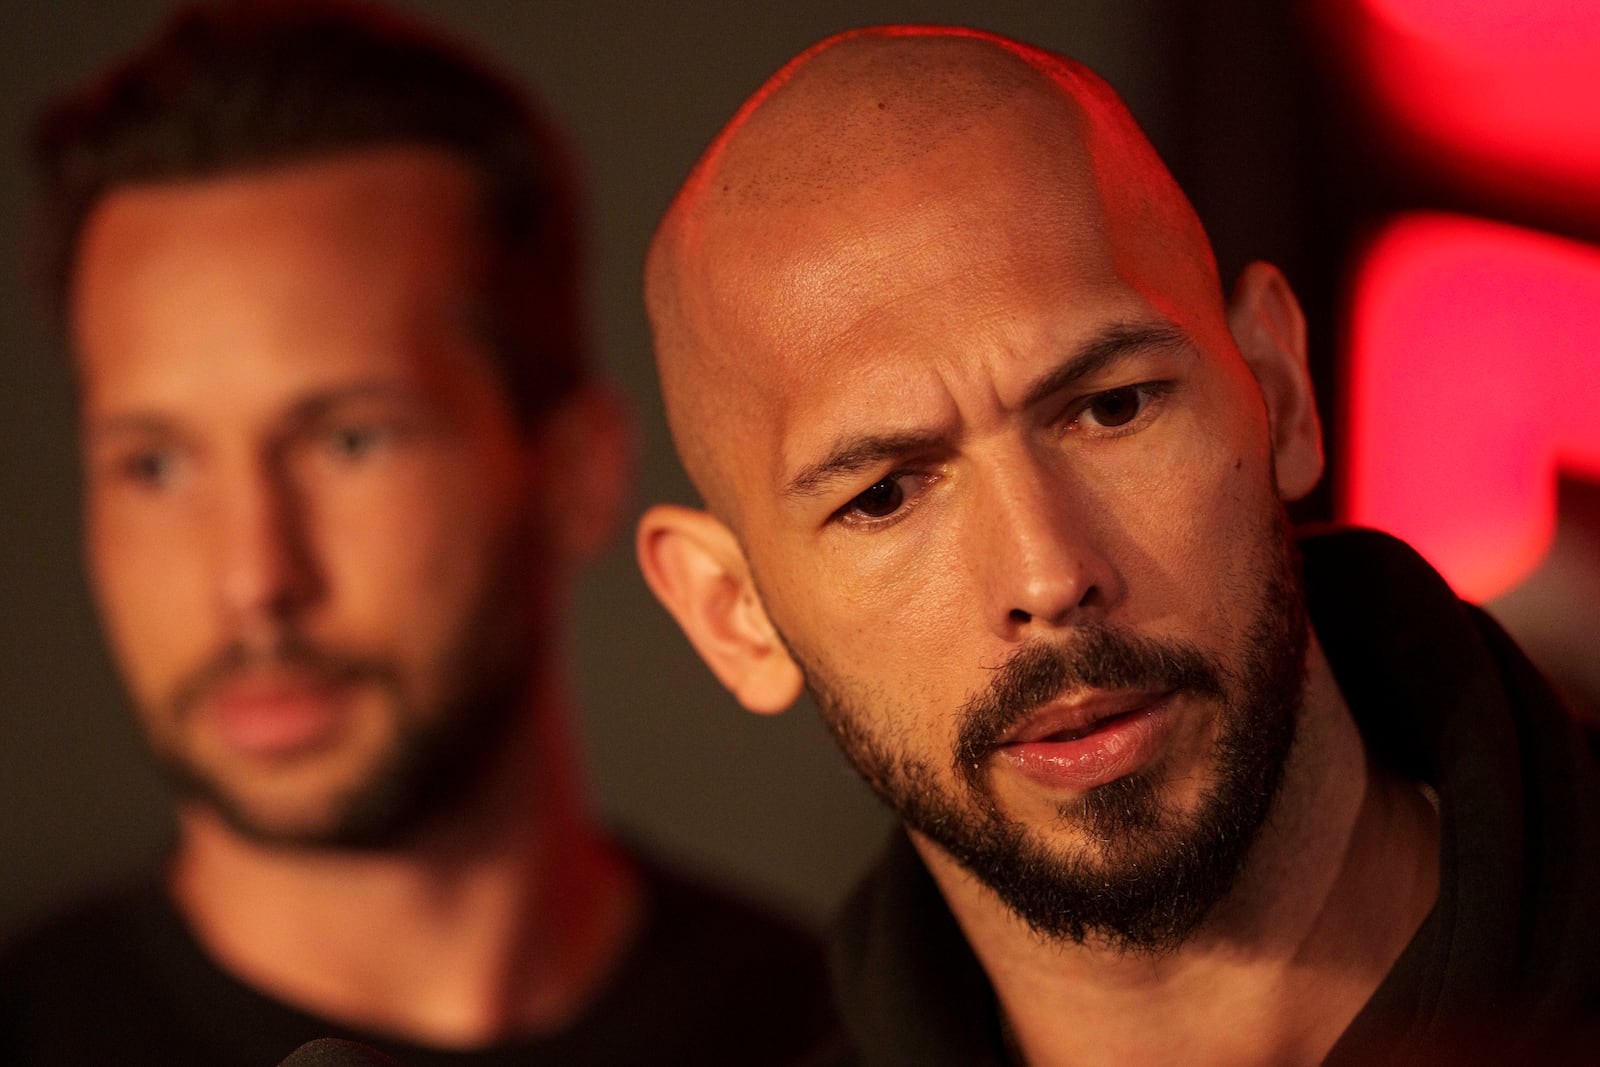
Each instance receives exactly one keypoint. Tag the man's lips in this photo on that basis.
(1080, 744)
(1068, 720)
(274, 715)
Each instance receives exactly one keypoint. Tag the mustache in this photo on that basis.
(1098, 657)
(325, 666)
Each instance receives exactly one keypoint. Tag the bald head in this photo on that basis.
(873, 144)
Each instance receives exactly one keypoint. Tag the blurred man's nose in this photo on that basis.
(267, 570)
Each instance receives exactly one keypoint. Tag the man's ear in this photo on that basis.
(1270, 330)
(586, 461)
(695, 567)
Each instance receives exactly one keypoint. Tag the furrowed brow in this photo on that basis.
(855, 454)
(1116, 342)
(1120, 341)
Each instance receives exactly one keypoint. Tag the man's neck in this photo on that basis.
(501, 921)
(1344, 873)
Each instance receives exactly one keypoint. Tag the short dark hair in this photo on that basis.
(247, 85)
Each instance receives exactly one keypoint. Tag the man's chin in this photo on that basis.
(295, 810)
(276, 824)
(1098, 870)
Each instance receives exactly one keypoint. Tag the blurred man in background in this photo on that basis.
(342, 455)
(992, 468)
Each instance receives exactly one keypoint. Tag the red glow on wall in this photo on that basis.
(1474, 374)
(1502, 94)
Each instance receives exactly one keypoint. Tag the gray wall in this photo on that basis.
(641, 87)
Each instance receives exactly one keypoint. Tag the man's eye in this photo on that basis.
(151, 468)
(354, 442)
(887, 497)
(1115, 407)
(882, 499)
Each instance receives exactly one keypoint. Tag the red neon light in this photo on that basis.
(1475, 372)
(1503, 94)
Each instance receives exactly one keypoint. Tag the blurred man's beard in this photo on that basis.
(1144, 877)
(434, 757)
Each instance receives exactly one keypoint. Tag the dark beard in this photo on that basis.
(1150, 876)
(436, 760)
(428, 768)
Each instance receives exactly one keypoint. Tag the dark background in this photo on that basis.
(1225, 89)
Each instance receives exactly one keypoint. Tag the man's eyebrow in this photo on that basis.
(318, 406)
(123, 430)
(1118, 341)
(855, 454)
(303, 412)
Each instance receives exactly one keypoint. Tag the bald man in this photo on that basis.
(992, 468)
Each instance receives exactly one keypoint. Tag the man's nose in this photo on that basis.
(1042, 557)
(267, 571)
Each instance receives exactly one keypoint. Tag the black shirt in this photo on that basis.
(122, 981)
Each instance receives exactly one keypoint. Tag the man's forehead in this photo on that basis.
(983, 237)
(352, 265)
(362, 194)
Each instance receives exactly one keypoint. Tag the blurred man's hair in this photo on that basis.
(249, 85)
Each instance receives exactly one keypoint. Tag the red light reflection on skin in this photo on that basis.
(1474, 374)
(1502, 94)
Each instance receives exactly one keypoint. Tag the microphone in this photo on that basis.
(336, 1052)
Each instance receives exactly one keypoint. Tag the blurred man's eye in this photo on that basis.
(356, 441)
(149, 468)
